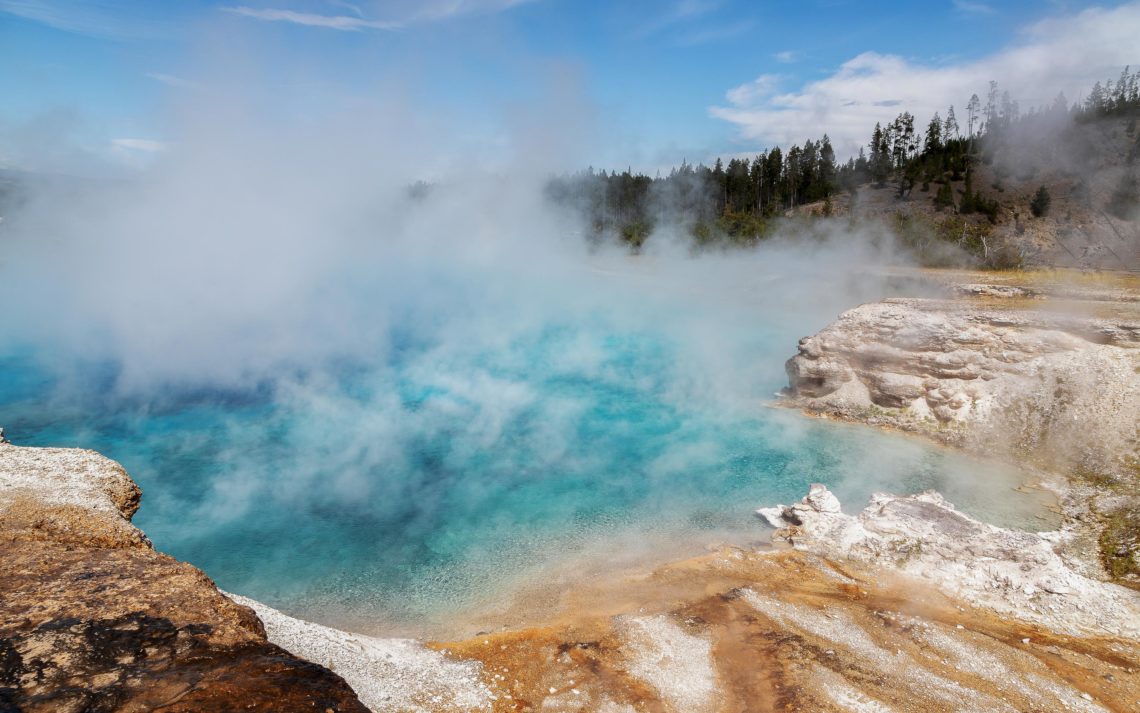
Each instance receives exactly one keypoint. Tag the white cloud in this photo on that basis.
(114, 19)
(678, 12)
(747, 94)
(354, 9)
(715, 33)
(786, 57)
(1059, 54)
(350, 23)
(379, 15)
(973, 8)
(147, 145)
(172, 81)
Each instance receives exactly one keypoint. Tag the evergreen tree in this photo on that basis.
(880, 156)
(1009, 109)
(1121, 98)
(756, 175)
(967, 203)
(933, 141)
(1040, 203)
(861, 167)
(972, 113)
(903, 145)
(773, 173)
(791, 178)
(950, 126)
(1094, 104)
(827, 171)
(945, 196)
(719, 182)
(991, 110)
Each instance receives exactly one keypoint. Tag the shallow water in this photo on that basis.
(408, 489)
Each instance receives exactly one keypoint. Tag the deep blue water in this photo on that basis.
(410, 485)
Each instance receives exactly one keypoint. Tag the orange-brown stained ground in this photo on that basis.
(790, 631)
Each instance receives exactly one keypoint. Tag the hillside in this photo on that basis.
(1054, 187)
(1081, 167)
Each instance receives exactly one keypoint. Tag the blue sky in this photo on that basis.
(655, 81)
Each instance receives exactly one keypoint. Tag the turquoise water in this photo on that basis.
(417, 482)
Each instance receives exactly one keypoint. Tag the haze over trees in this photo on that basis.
(937, 164)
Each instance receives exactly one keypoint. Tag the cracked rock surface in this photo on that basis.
(1008, 571)
(1011, 380)
(92, 618)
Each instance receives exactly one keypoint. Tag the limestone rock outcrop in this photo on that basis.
(1008, 571)
(92, 618)
(1002, 380)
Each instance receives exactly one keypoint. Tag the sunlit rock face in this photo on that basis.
(1005, 380)
(1009, 571)
(93, 618)
(791, 630)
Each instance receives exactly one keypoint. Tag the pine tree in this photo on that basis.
(861, 167)
(967, 203)
(972, 113)
(1009, 109)
(945, 196)
(991, 110)
(718, 177)
(880, 156)
(756, 174)
(1094, 104)
(773, 172)
(826, 167)
(903, 146)
(1121, 98)
(933, 141)
(950, 126)
(1040, 203)
(791, 178)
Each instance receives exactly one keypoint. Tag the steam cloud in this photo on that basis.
(255, 243)
(268, 256)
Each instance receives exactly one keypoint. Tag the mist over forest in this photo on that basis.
(956, 174)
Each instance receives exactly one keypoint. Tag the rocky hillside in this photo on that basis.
(1091, 220)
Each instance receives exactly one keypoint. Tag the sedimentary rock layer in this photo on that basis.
(743, 630)
(1007, 380)
(1007, 571)
(1042, 370)
(92, 618)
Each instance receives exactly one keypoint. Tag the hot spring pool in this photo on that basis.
(402, 491)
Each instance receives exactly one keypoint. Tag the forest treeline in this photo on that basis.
(736, 201)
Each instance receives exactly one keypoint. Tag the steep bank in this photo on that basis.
(1003, 369)
(92, 618)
